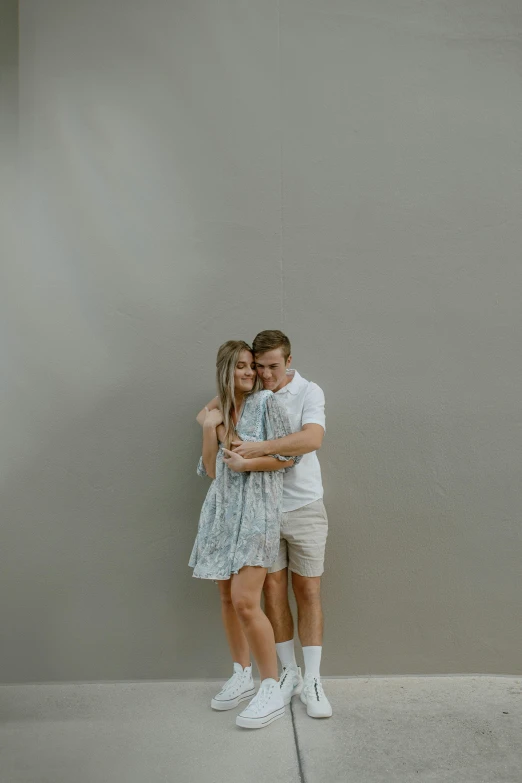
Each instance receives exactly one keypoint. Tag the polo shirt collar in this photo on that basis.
(295, 384)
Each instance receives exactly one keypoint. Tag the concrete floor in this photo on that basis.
(458, 729)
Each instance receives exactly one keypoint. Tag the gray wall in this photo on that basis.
(200, 170)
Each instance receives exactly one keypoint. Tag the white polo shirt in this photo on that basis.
(304, 403)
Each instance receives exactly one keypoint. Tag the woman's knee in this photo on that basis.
(244, 604)
(225, 593)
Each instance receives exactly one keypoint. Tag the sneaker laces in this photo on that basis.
(234, 682)
(288, 671)
(261, 697)
(314, 689)
(284, 675)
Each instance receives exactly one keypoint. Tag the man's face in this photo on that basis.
(271, 368)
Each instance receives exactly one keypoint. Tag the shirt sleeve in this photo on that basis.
(313, 408)
(278, 425)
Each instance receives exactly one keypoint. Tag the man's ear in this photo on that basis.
(289, 361)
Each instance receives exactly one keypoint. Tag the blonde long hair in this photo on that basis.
(227, 358)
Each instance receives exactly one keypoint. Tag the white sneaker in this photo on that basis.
(266, 707)
(237, 689)
(290, 683)
(317, 705)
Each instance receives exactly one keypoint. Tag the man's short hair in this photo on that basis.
(270, 340)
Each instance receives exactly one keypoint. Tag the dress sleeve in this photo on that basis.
(201, 468)
(277, 426)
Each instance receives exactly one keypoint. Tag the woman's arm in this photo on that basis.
(210, 450)
(210, 442)
(240, 465)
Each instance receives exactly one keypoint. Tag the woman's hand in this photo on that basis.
(213, 418)
(249, 449)
(234, 461)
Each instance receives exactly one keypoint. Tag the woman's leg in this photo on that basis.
(237, 640)
(246, 599)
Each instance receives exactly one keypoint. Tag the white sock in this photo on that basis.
(286, 654)
(312, 659)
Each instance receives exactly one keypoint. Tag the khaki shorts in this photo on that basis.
(303, 540)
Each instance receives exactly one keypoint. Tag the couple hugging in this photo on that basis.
(262, 517)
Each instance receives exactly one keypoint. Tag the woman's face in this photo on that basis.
(244, 373)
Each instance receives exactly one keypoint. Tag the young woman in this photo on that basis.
(239, 526)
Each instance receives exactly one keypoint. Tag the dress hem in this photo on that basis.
(221, 578)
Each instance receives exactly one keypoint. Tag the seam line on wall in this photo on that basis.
(281, 183)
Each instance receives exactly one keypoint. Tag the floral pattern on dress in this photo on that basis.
(241, 516)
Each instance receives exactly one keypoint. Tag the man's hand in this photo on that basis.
(249, 449)
(234, 461)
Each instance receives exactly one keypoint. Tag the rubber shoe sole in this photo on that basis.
(311, 714)
(229, 704)
(260, 723)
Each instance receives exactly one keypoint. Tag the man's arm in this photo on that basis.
(200, 418)
(240, 465)
(310, 438)
(214, 403)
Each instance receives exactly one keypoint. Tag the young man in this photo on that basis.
(304, 527)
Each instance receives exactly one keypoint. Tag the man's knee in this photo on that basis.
(275, 587)
(307, 589)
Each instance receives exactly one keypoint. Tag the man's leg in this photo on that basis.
(307, 591)
(306, 534)
(275, 591)
(306, 540)
(277, 608)
(278, 612)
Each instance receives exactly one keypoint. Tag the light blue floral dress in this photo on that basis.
(241, 515)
